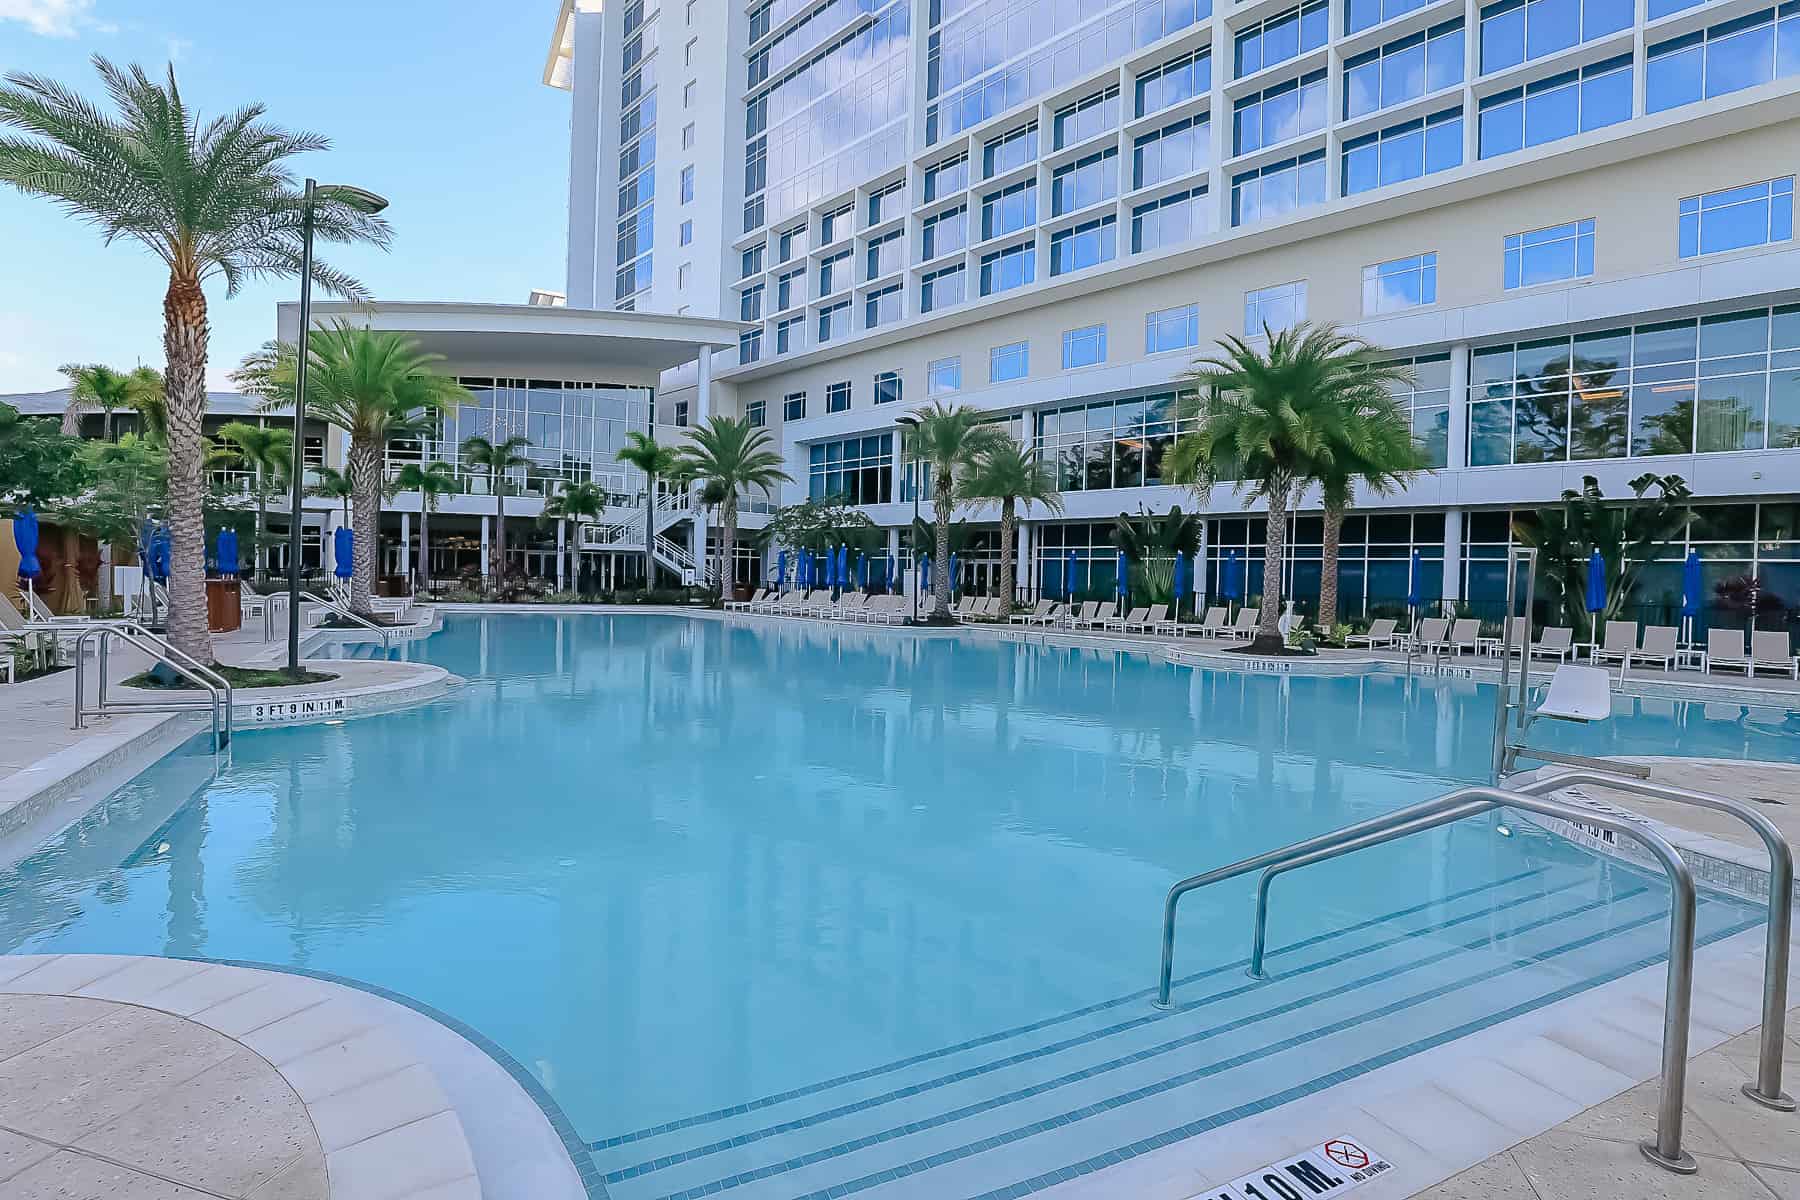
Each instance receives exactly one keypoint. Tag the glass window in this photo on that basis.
(1403, 70)
(1174, 81)
(1171, 221)
(1400, 284)
(1009, 210)
(834, 226)
(790, 289)
(858, 470)
(944, 233)
(942, 288)
(1013, 150)
(756, 412)
(1088, 117)
(1281, 37)
(887, 387)
(887, 203)
(1363, 14)
(793, 406)
(1723, 58)
(1007, 269)
(1515, 31)
(1006, 363)
(1754, 215)
(1404, 151)
(951, 175)
(1558, 107)
(1176, 149)
(883, 306)
(751, 262)
(834, 321)
(1087, 244)
(1549, 255)
(789, 242)
(1277, 113)
(942, 376)
(687, 186)
(834, 273)
(837, 397)
(1172, 328)
(1084, 347)
(1278, 188)
(887, 254)
(1274, 308)
(1085, 182)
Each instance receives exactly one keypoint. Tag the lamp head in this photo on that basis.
(360, 199)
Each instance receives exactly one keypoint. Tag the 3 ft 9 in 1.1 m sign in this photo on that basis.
(1328, 1169)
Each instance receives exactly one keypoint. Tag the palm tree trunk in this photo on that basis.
(940, 567)
(259, 557)
(728, 551)
(185, 337)
(1268, 624)
(424, 542)
(365, 485)
(499, 549)
(649, 532)
(1008, 556)
(1328, 569)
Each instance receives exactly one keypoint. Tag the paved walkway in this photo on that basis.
(1774, 788)
(1745, 1151)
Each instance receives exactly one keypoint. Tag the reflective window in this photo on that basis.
(750, 303)
(1281, 37)
(1087, 181)
(1172, 328)
(1515, 31)
(1427, 400)
(749, 345)
(943, 375)
(1009, 362)
(756, 412)
(1176, 149)
(951, 175)
(1362, 14)
(1084, 347)
(1278, 188)
(1087, 244)
(790, 289)
(793, 406)
(858, 470)
(1400, 284)
(1009, 210)
(1107, 444)
(1549, 255)
(887, 387)
(837, 397)
(834, 322)
(944, 233)
(887, 203)
(1273, 309)
(1007, 269)
(887, 254)
(1558, 107)
(1014, 150)
(883, 307)
(834, 226)
(1403, 70)
(1171, 220)
(1404, 151)
(789, 334)
(1174, 81)
(1754, 215)
(1086, 118)
(834, 273)
(1279, 112)
(1724, 58)
(942, 288)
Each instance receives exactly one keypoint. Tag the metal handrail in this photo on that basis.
(350, 615)
(1777, 946)
(218, 688)
(1665, 1150)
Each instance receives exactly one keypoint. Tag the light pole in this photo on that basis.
(363, 201)
(907, 423)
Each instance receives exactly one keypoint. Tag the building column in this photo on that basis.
(562, 542)
(1457, 455)
(1453, 547)
(407, 558)
(1022, 560)
(484, 545)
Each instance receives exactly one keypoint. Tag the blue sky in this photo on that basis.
(437, 105)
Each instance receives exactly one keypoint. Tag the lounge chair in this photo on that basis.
(1158, 615)
(15, 630)
(851, 605)
(1161, 622)
(885, 610)
(1658, 647)
(1381, 633)
(1051, 616)
(1770, 651)
(1465, 633)
(1213, 625)
(38, 613)
(1557, 641)
(1244, 628)
(1619, 644)
(1038, 613)
(1087, 614)
(1430, 634)
(1133, 618)
(746, 605)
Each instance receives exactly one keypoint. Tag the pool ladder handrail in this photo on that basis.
(1665, 1149)
(217, 687)
(348, 614)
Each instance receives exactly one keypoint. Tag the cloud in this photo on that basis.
(51, 18)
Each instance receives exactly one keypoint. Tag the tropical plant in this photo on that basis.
(95, 385)
(269, 455)
(656, 461)
(1152, 543)
(575, 502)
(1013, 475)
(376, 386)
(130, 477)
(1746, 596)
(39, 464)
(1376, 453)
(496, 460)
(1629, 537)
(950, 440)
(211, 201)
(728, 455)
(430, 480)
(1269, 421)
(332, 484)
(820, 525)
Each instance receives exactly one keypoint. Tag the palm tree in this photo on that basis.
(1270, 421)
(376, 386)
(727, 455)
(96, 385)
(950, 440)
(1377, 453)
(332, 484)
(575, 502)
(495, 459)
(656, 462)
(430, 480)
(268, 454)
(212, 201)
(1012, 474)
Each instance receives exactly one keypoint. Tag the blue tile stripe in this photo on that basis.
(1182, 1078)
(619, 1175)
(1319, 1083)
(553, 1112)
(1036, 1026)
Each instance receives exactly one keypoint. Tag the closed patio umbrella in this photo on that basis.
(1181, 582)
(1122, 577)
(343, 552)
(953, 579)
(1596, 597)
(1232, 585)
(160, 554)
(925, 573)
(843, 567)
(1690, 592)
(1069, 578)
(862, 570)
(25, 538)
(228, 552)
(889, 581)
(1412, 590)
(780, 570)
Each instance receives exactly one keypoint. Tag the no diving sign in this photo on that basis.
(1329, 1169)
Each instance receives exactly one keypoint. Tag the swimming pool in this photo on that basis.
(786, 908)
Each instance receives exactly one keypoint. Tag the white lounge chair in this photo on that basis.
(1087, 614)
(746, 605)
(1430, 634)
(1557, 642)
(851, 605)
(1165, 624)
(1214, 623)
(1771, 651)
(1381, 633)
(1619, 644)
(1122, 623)
(15, 630)
(1038, 612)
(1158, 615)
(885, 610)
(1465, 633)
(1244, 628)
(1658, 647)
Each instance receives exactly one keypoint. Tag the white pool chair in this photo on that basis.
(851, 605)
(1619, 644)
(1381, 633)
(1557, 642)
(1052, 615)
(746, 605)
(1658, 647)
(1725, 648)
(1087, 614)
(1577, 693)
(1130, 620)
(885, 610)
(1164, 623)
(1430, 634)
(1244, 628)
(1158, 614)
(1214, 623)
(1038, 612)
(1465, 632)
(1770, 651)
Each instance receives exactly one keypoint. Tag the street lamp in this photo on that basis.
(909, 422)
(371, 204)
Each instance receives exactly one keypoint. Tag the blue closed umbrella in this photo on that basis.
(953, 577)
(888, 581)
(1181, 581)
(25, 537)
(1069, 577)
(925, 573)
(806, 570)
(161, 555)
(843, 567)
(1690, 591)
(1412, 586)
(228, 552)
(343, 553)
(862, 569)
(1232, 586)
(1596, 594)
(780, 570)
(1121, 574)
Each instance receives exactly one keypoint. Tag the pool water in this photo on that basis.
(677, 866)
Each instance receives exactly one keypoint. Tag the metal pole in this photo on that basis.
(1506, 624)
(297, 468)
